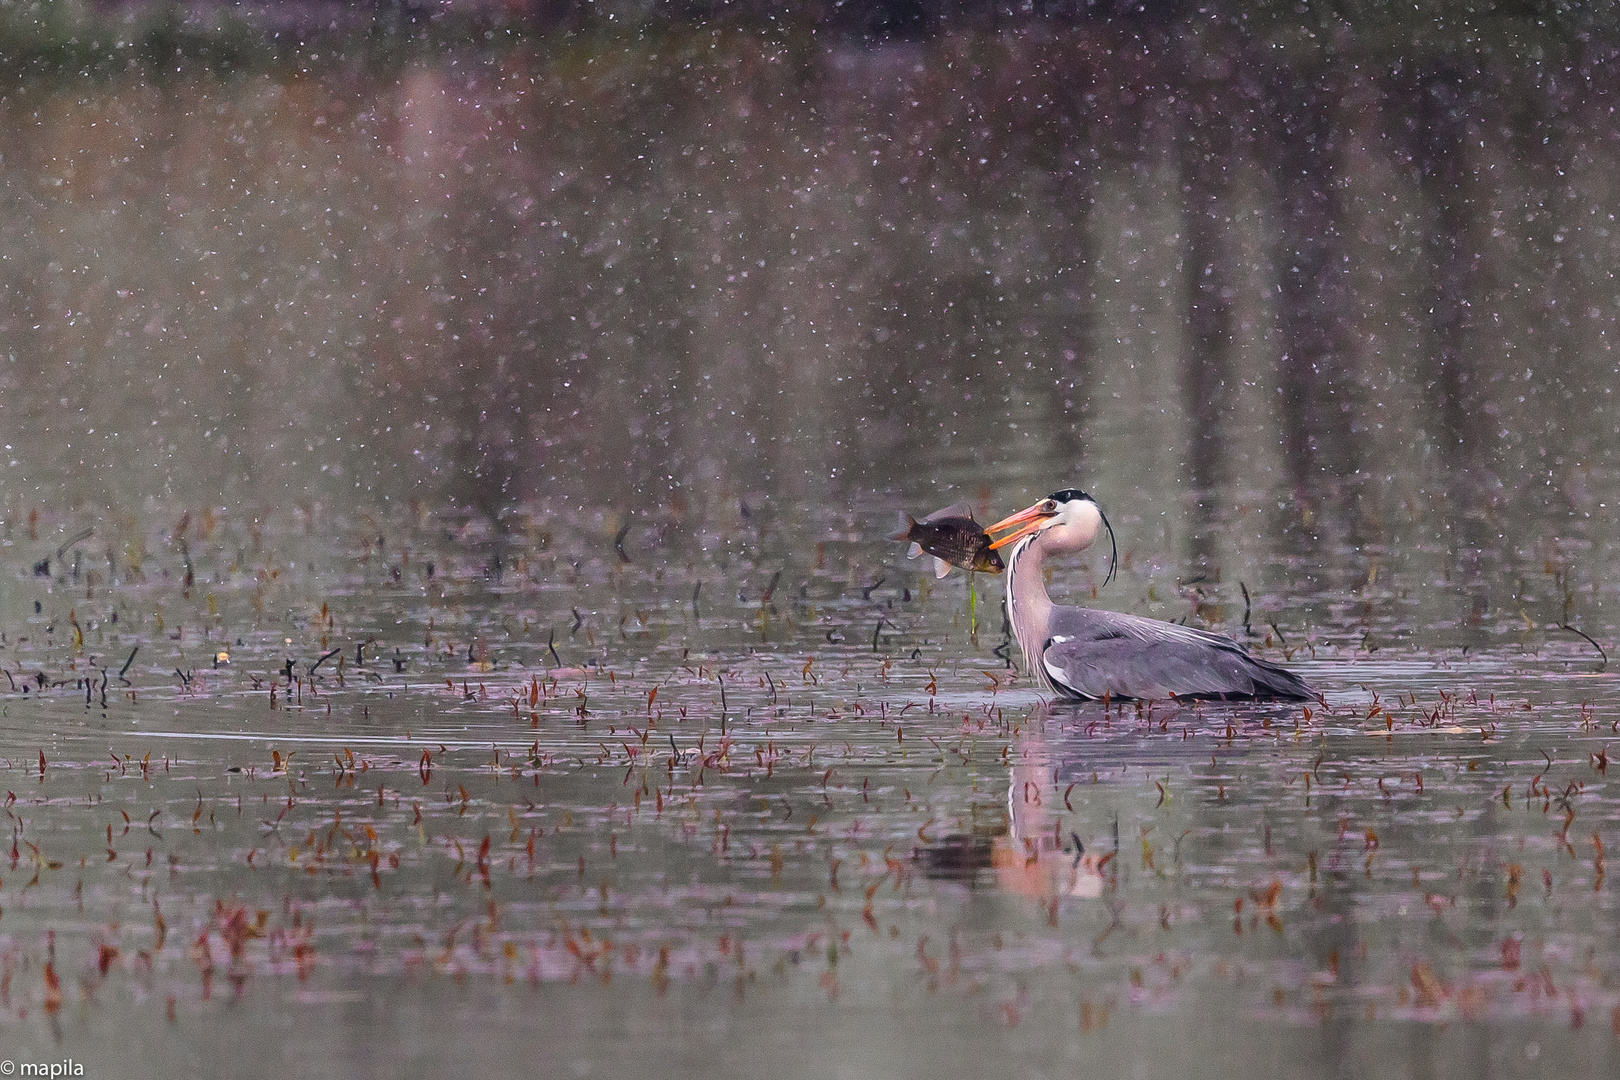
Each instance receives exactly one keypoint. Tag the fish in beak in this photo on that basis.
(1022, 523)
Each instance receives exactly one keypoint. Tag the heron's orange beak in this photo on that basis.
(1022, 523)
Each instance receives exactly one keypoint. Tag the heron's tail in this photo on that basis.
(1278, 683)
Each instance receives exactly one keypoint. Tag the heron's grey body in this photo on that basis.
(1089, 654)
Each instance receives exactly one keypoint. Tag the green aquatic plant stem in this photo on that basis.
(973, 603)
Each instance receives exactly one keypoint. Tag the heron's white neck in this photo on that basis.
(1029, 609)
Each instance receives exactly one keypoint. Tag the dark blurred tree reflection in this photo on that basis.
(700, 261)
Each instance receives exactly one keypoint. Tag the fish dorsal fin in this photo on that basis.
(941, 567)
(955, 510)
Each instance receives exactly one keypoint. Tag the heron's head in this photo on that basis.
(1066, 520)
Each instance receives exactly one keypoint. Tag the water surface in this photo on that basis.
(449, 620)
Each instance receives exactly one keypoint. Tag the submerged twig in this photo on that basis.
(83, 534)
(1589, 641)
(128, 662)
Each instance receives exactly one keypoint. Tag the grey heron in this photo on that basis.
(1086, 653)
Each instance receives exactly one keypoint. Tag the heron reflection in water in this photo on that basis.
(1022, 847)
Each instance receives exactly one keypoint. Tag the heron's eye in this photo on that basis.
(1049, 506)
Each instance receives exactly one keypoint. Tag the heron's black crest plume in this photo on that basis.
(1076, 495)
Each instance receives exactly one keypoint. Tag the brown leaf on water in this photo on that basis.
(1427, 984)
(53, 989)
(660, 974)
(1267, 897)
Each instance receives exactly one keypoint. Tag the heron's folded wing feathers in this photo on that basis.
(1092, 653)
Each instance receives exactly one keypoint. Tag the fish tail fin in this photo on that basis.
(941, 567)
(907, 523)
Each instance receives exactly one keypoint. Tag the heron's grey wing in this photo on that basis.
(955, 510)
(1092, 653)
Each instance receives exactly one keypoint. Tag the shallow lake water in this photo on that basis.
(449, 621)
